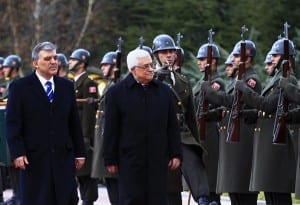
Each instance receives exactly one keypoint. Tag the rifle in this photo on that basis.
(117, 69)
(203, 104)
(233, 128)
(280, 127)
(141, 42)
(179, 53)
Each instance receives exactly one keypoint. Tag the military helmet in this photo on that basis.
(163, 42)
(146, 48)
(82, 55)
(278, 47)
(268, 58)
(202, 52)
(229, 60)
(12, 61)
(109, 58)
(62, 59)
(249, 46)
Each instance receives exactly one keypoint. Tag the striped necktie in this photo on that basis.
(49, 90)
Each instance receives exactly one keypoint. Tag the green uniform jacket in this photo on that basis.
(211, 142)
(87, 88)
(235, 159)
(98, 168)
(274, 166)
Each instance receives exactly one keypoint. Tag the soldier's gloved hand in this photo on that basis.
(283, 82)
(205, 85)
(241, 86)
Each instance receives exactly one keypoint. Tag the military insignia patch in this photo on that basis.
(251, 83)
(92, 89)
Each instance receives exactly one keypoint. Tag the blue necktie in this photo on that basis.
(49, 91)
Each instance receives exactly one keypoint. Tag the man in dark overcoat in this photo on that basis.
(44, 133)
(141, 134)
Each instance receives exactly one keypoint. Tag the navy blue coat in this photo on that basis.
(50, 135)
(141, 134)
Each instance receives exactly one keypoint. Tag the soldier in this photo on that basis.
(11, 66)
(2, 78)
(107, 66)
(164, 52)
(274, 166)
(235, 159)
(211, 142)
(86, 90)
(62, 65)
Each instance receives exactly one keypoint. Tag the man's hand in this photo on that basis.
(21, 162)
(79, 162)
(113, 169)
(174, 163)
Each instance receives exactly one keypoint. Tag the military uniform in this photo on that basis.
(211, 142)
(99, 170)
(192, 164)
(235, 159)
(274, 166)
(87, 88)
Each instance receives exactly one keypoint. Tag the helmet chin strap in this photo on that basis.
(75, 67)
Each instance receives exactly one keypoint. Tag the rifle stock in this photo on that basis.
(234, 123)
(280, 127)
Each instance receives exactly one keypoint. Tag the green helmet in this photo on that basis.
(278, 48)
(109, 58)
(202, 52)
(82, 55)
(249, 46)
(12, 61)
(62, 59)
(163, 42)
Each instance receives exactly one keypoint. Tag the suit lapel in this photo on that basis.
(37, 88)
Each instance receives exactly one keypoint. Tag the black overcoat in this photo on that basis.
(50, 135)
(141, 134)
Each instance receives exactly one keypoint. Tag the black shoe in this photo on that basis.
(203, 201)
(87, 203)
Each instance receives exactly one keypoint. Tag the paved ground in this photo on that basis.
(103, 199)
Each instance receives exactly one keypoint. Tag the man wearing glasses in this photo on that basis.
(141, 133)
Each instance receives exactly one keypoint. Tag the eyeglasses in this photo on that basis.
(145, 67)
(48, 58)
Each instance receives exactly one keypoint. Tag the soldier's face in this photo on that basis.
(167, 57)
(201, 63)
(275, 59)
(6, 71)
(236, 60)
(47, 64)
(269, 68)
(105, 69)
(229, 70)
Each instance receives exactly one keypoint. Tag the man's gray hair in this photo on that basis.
(134, 55)
(44, 46)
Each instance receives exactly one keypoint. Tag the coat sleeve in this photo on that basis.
(111, 129)
(14, 122)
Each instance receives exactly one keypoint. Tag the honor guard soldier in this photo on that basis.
(274, 166)
(212, 115)
(63, 65)
(2, 78)
(86, 92)
(107, 66)
(10, 67)
(192, 168)
(235, 159)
